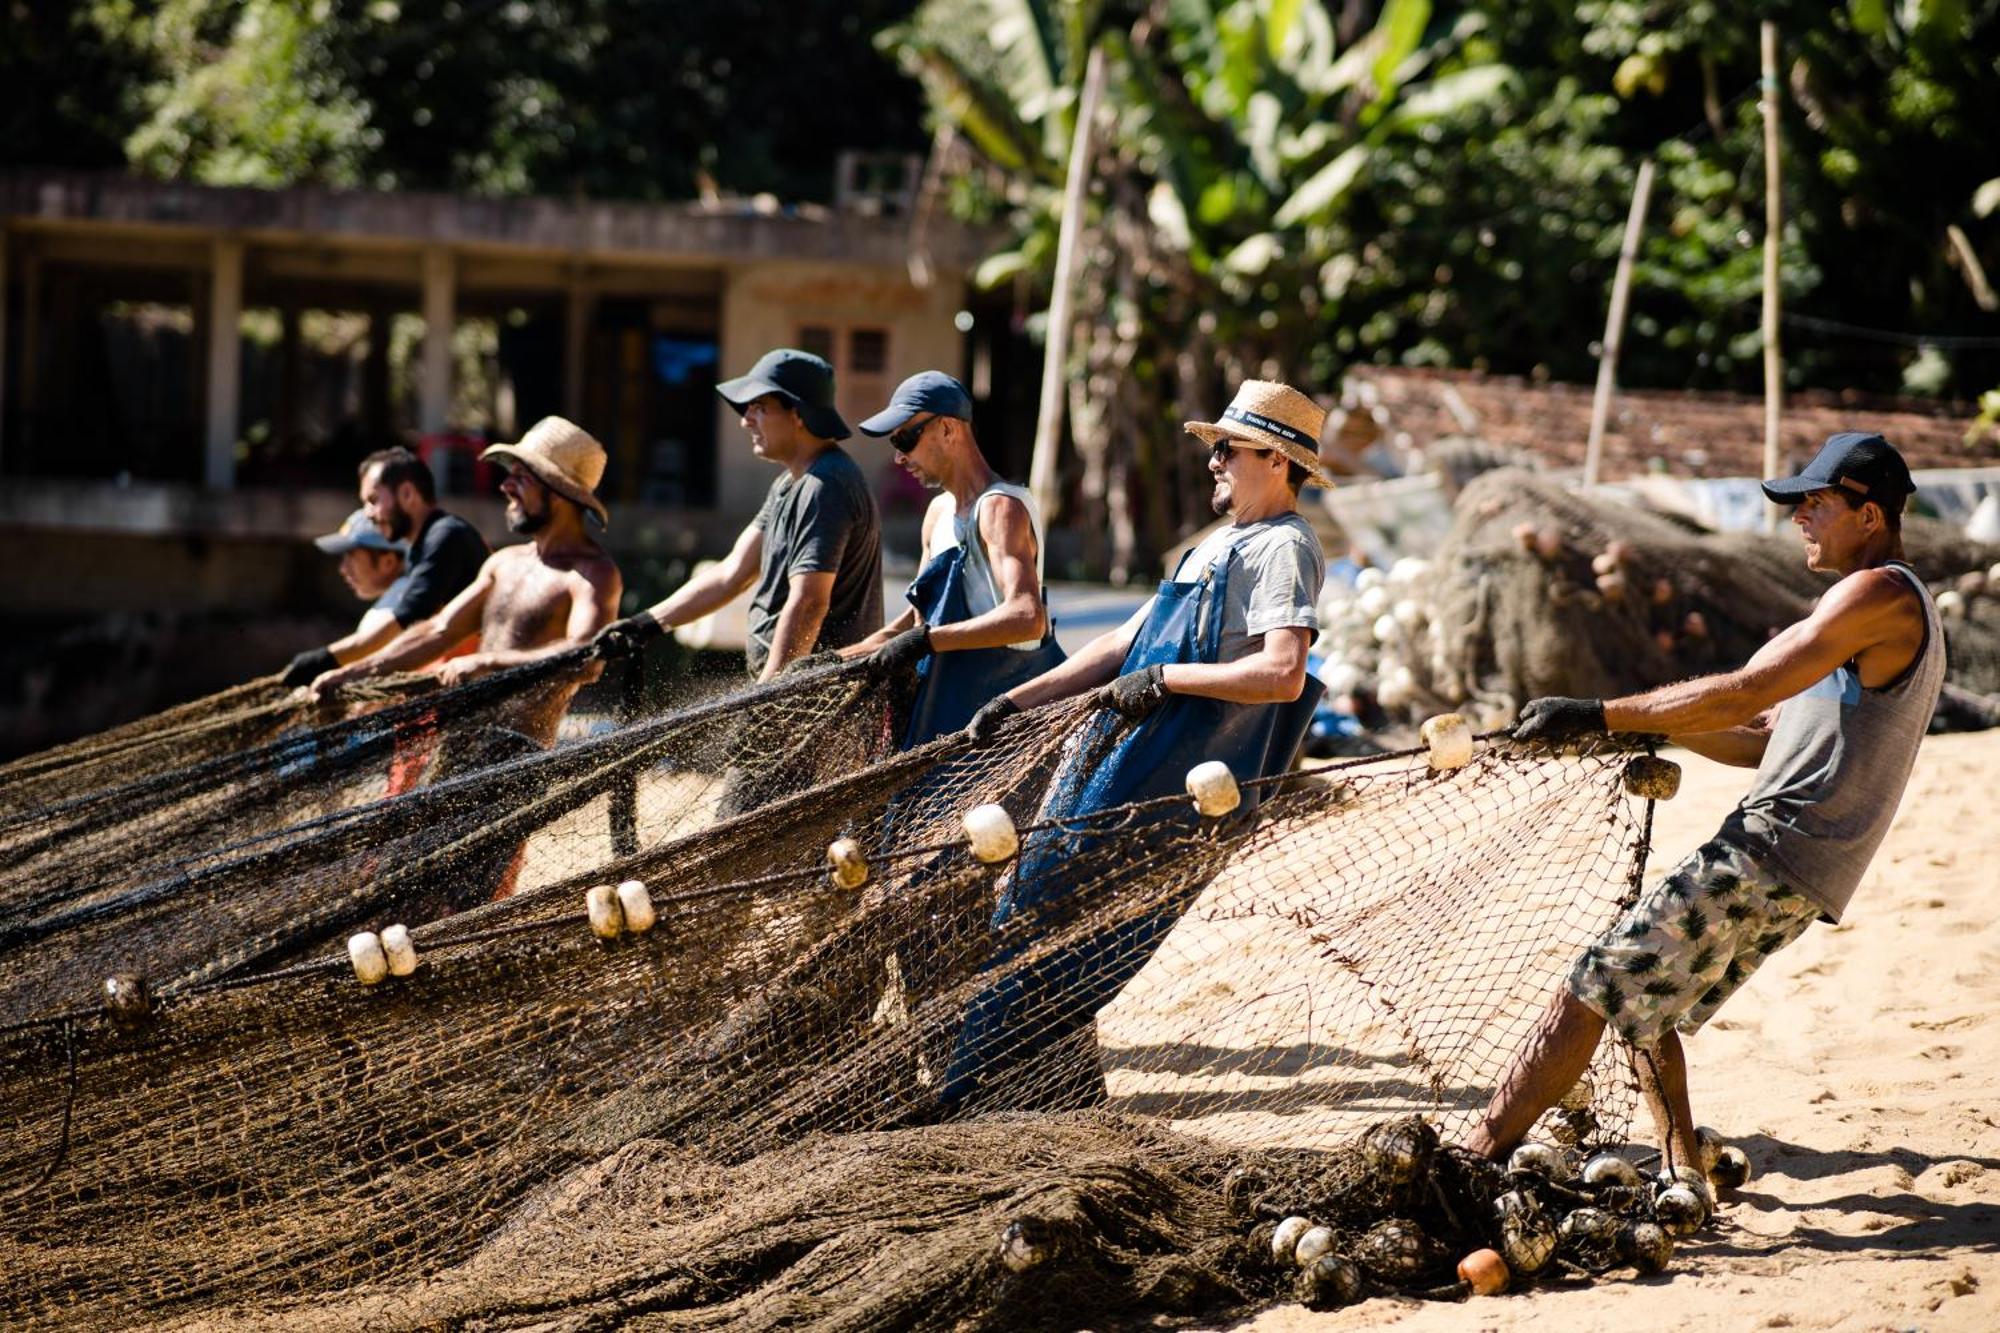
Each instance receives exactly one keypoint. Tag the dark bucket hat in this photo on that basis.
(801, 379)
(930, 391)
(1858, 462)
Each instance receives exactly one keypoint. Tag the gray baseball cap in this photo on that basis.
(359, 533)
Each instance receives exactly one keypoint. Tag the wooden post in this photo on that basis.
(440, 312)
(3, 349)
(225, 365)
(1774, 224)
(1055, 358)
(1614, 323)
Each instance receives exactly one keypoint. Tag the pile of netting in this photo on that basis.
(859, 1038)
(1539, 590)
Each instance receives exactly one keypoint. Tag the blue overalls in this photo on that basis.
(1037, 1006)
(952, 686)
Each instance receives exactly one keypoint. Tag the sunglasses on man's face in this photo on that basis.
(906, 440)
(1222, 449)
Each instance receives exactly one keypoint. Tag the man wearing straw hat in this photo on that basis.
(813, 554)
(1212, 667)
(529, 601)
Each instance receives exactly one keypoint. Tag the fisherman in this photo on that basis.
(1212, 667)
(528, 601)
(444, 554)
(813, 554)
(374, 569)
(977, 623)
(1829, 713)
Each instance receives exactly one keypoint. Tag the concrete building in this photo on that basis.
(160, 381)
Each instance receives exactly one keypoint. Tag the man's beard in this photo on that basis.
(526, 524)
(1222, 501)
(400, 523)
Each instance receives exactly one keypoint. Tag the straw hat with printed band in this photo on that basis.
(1267, 415)
(564, 457)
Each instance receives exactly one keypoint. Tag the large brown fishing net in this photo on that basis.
(787, 1101)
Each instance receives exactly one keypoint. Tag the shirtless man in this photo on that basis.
(1830, 713)
(530, 601)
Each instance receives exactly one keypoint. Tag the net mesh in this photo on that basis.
(789, 1100)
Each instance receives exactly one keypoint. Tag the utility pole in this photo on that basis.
(1614, 323)
(1774, 226)
(1055, 357)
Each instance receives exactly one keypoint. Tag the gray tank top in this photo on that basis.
(1835, 768)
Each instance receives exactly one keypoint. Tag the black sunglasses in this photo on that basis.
(906, 440)
(1222, 449)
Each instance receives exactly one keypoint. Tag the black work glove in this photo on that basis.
(627, 637)
(1555, 719)
(1136, 693)
(309, 666)
(985, 724)
(904, 651)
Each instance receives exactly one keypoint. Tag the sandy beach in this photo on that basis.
(1860, 1069)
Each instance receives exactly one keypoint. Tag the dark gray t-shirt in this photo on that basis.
(444, 560)
(823, 522)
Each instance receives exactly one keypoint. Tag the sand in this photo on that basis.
(1860, 1069)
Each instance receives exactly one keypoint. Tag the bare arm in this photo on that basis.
(907, 620)
(798, 624)
(1856, 614)
(377, 630)
(1740, 747)
(1095, 664)
(592, 606)
(423, 642)
(1275, 673)
(717, 586)
(1019, 617)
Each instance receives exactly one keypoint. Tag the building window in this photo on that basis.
(817, 339)
(867, 351)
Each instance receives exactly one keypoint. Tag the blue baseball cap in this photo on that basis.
(359, 533)
(1858, 462)
(930, 391)
(801, 379)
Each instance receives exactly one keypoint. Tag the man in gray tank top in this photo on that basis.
(1829, 713)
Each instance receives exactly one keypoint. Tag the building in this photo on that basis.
(189, 364)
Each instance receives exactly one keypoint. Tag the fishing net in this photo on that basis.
(1541, 590)
(406, 810)
(842, 1098)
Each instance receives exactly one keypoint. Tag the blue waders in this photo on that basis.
(1034, 1008)
(951, 687)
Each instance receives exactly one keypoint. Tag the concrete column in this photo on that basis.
(577, 308)
(3, 350)
(225, 365)
(31, 331)
(440, 313)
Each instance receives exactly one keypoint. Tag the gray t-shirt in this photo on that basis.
(1274, 583)
(823, 522)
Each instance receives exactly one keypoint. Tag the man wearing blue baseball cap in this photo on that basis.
(1829, 713)
(813, 554)
(977, 624)
(375, 568)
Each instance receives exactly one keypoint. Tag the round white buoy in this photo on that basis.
(1409, 613)
(1678, 1211)
(396, 947)
(1373, 601)
(607, 919)
(1711, 1143)
(1285, 1240)
(1951, 604)
(1610, 1169)
(636, 905)
(1386, 628)
(990, 830)
(1409, 569)
(1371, 577)
(1449, 737)
(1312, 1245)
(1214, 788)
(371, 965)
(850, 867)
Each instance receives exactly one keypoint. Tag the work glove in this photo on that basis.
(985, 724)
(1554, 719)
(902, 652)
(627, 637)
(309, 666)
(1136, 693)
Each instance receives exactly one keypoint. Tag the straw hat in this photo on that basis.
(1267, 415)
(564, 457)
